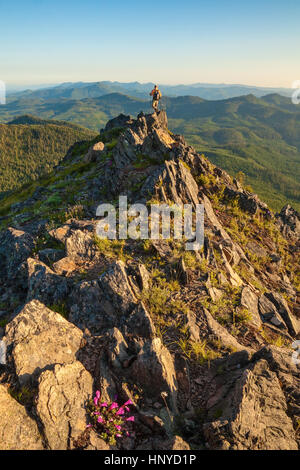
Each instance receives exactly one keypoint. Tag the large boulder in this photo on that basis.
(17, 430)
(61, 404)
(38, 338)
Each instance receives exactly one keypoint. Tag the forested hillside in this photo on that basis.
(30, 150)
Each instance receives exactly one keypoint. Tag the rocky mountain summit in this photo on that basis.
(200, 342)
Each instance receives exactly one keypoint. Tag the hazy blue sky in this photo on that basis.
(253, 42)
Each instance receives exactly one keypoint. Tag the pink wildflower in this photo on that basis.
(131, 418)
(96, 399)
(128, 402)
(118, 435)
(113, 406)
(120, 411)
(118, 427)
(104, 404)
(100, 420)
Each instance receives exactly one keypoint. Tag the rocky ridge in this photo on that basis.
(199, 341)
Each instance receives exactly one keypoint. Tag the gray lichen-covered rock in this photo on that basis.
(292, 323)
(139, 323)
(249, 300)
(269, 312)
(96, 443)
(61, 403)
(64, 266)
(50, 255)
(119, 121)
(117, 290)
(44, 284)
(289, 221)
(80, 245)
(154, 368)
(176, 443)
(38, 338)
(178, 184)
(219, 332)
(252, 412)
(117, 348)
(281, 362)
(15, 247)
(90, 309)
(17, 430)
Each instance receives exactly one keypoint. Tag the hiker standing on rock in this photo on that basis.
(156, 94)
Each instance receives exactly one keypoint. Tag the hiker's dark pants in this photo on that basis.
(155, 105)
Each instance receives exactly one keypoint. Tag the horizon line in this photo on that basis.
(26, 86)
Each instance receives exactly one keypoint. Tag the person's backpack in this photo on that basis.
(156, 95)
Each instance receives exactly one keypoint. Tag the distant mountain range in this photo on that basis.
(259, 136)
(81, 90)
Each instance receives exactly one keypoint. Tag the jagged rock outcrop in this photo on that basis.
(289, 221)
(288, 373)
(248, 202)
(147, 320)
(110, 301)
(251, 409)
(119, 121)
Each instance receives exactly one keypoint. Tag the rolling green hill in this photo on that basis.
(30, 147)
(258, 136)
